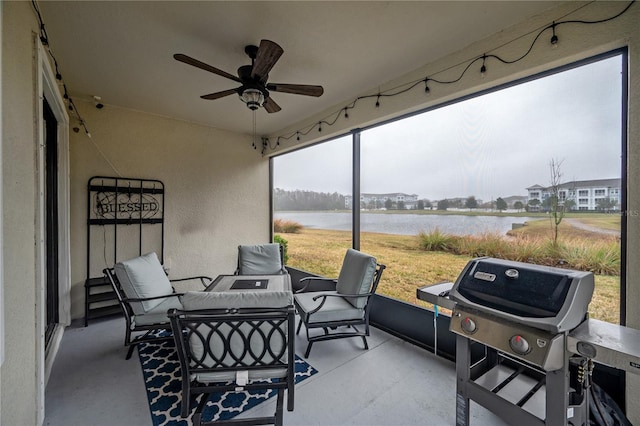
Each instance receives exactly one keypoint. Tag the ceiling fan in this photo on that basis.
(255, 90)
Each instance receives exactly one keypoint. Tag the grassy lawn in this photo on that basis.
(544, 228)
(410, 267)
(605, 221)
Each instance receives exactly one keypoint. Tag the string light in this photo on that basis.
(483, 69)
(554, 37)
(44, 39)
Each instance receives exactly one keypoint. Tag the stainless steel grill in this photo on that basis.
(521, 309)
(533, 323)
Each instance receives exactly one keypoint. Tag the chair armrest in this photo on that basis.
(204, 280)
(144, 299)
(310, 280)
(350, 296)
(325, 295)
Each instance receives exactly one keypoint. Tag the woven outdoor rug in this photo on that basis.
(161, 371)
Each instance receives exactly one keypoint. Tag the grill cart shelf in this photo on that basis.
(125, 218)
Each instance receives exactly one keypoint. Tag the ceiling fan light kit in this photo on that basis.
(254, 98)
(254, 89)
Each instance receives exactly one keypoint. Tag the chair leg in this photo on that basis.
(279, 406)
(130, 351)
(299, 327)
(197, 416)
(185, 404)
(306, 354)
(366, 345)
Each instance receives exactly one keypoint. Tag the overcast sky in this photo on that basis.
(491, 146)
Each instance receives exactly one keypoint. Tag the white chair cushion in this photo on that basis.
(356, 276)
(261, 259)
(334, 309)
(158, 314)
(196, 300)
(143, 277)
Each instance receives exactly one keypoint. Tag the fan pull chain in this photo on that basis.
(254, 130)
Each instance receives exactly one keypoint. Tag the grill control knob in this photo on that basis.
(468, 325)
(519, 344)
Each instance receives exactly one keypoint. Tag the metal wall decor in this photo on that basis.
(125, 218)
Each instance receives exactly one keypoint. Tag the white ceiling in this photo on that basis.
(123, 51)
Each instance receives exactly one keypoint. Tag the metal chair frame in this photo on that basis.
(326, 326)
(152, 332)
(188, 325)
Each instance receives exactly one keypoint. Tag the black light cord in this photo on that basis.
(44, 39)
(333, 117)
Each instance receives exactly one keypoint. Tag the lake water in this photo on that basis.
(406, 224)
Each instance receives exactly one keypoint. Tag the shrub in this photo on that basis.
(285, 245)
(584, 254)
(437, 241)
(286, 226)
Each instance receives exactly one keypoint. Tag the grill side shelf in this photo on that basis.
(610, 344)
(437, 294)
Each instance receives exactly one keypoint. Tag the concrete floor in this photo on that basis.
(393, 383)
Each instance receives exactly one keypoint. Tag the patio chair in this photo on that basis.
(145, 294)
(347, 306)
(262, 259)
(232, 341)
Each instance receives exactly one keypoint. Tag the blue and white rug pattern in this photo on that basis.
(161, 371)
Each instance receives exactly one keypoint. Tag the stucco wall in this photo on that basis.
(217, 187)
(19, 388)
(577, 41)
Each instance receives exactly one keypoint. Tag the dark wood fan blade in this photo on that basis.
(219, 95)
(196, 63)
(297, 89)
(267, 56)
(270, 105)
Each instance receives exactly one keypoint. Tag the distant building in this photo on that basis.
(377, 201)
(599, 194)
(513, 199)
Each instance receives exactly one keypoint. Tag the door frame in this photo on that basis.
(47, 87)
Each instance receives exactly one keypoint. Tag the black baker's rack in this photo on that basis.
(130, 214)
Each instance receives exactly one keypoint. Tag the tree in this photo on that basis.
(501, 204)
(556, 209)
(401, 205)
(420, 205)
(569, 204)
(534, 203)
(518, 205)
(443, 204)
(606, 204)
(471, 203)
(388, 204)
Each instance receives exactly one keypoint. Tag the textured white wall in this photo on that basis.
(217, 187)
(19, 145)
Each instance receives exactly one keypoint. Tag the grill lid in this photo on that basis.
(553, 299)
